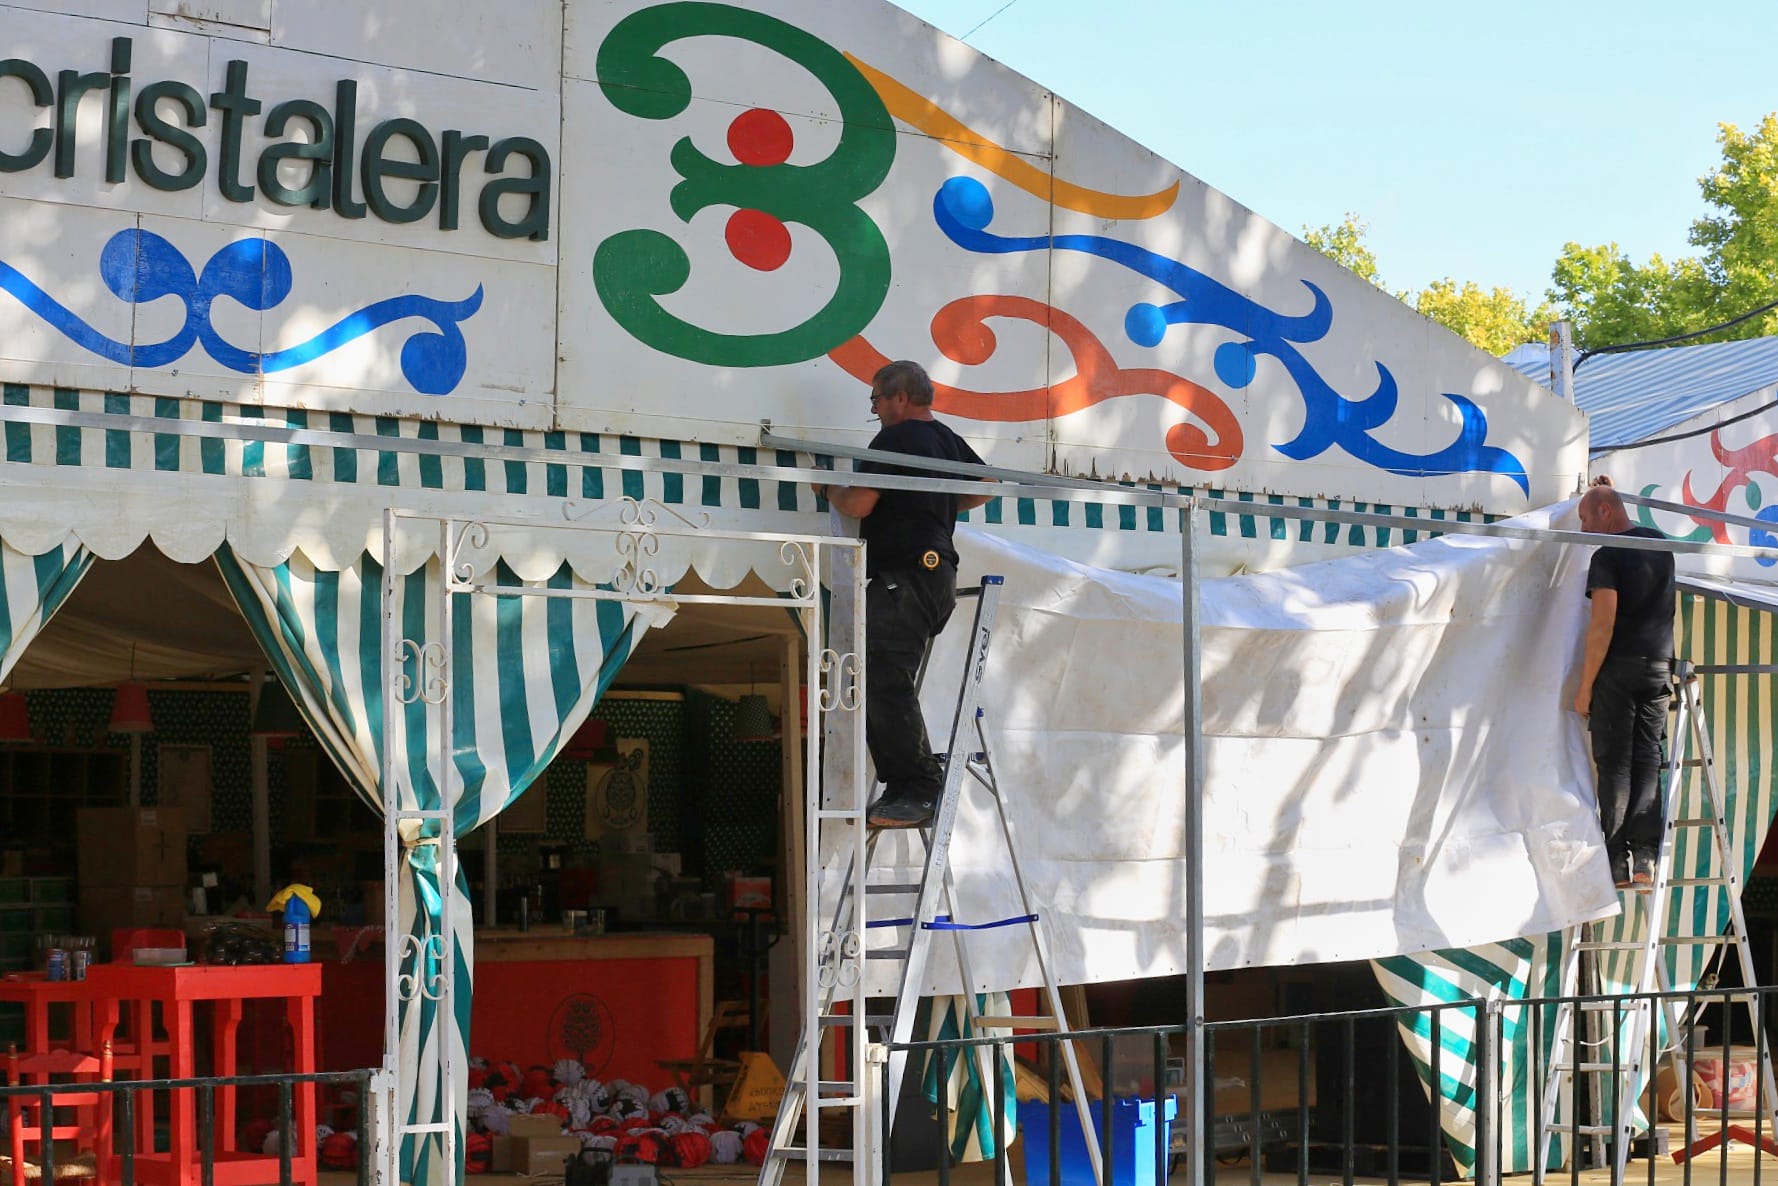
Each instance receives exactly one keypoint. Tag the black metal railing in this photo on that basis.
(47, 1097)
(1339, 1095)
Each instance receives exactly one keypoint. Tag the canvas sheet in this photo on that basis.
(1390, 763)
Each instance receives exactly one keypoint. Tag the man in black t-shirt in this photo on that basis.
(1625, 682)
(912, 569)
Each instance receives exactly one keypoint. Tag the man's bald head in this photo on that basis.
(1602, 511)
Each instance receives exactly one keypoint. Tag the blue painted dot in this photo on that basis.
(967, 201)
(1765, 539)
(1235, 364)
(1145, 324)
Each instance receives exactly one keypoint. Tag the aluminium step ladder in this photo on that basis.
(839, 939)
(1617, 1065)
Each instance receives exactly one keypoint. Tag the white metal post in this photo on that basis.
(1562, 359)
(1196, 1139)
(402, 1091)
(444, 759)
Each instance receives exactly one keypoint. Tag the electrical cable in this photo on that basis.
(972, 32)
(1651, 344)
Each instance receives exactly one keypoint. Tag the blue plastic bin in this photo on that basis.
(1132, 1154)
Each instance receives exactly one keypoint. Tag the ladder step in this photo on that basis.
(871, 1020)
(798, 1152)
(1692, 762)
(891, 889)
(1676, 882)
(1695, 821)
(829, 1102)
(1696, 940)
(843, 814)
(1019, 1023)
(1606, 945)
(895, 953)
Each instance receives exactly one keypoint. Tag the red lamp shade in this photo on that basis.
(15, 721)
(129, 711)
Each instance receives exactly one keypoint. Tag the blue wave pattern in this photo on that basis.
(963, 208)
(139, 266)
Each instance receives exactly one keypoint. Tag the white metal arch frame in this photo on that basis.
(421, 671)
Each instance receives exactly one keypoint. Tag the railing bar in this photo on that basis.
(285, 1134)
(1253, 1113)
(1107, 1126)
(207, 1134)
(944, 1113)
(1052, 1069)
(46, 1119)
(1347, 1114)
(1161, 1095)
(1436, 1096)
(128, 1126)
(1302, 1107)
(1392, 1084)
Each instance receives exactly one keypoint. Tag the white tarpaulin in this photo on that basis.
(1391, 766)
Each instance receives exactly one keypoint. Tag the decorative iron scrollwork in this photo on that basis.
(460, 572)
(428, 682)
(840, 678)
(840, 957)
(419, 952)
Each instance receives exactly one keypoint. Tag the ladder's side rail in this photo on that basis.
(913, 970)
(1730, 860)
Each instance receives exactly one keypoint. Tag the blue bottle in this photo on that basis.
(296, 930)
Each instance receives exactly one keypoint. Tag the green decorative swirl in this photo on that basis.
(632, 269)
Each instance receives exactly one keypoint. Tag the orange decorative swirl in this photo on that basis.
(960, 331)
(920, 112)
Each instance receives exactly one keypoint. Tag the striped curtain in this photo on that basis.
(969, 1087)
(32, 589)
(526, 672)
(1742, 711)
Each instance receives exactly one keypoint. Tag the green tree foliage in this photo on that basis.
(1613, 301)
(1344, 244)
(1494, 320)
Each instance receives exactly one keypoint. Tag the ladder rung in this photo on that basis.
(1019, 1023)
(891, 889)
(1699, 940)
(894, 953)
(1695, 821)
(839, 1101)
(1606, 945)
(796, 1152)
(1692, 762)
(871, 1020)
(1676, 882)
(846, 814)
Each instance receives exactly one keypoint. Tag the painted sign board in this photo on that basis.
(1723, 460)
(680, 219)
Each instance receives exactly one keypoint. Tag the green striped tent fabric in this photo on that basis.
(968, 1092)
(1740, 712)
(32, 589)
(526, 672)
(581, 471)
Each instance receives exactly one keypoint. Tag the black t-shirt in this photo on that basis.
(906, 524)
(1645, 593)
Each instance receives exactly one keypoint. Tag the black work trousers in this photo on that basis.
(1629, 723)
(903, 611)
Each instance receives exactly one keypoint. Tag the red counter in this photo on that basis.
(615, 1002)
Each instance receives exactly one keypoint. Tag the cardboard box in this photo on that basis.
(543, 1155)
(1278, 1081)
(523, 1124)
(131, 846)
(103, 910)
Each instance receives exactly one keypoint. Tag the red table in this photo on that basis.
(116, 988)
(38, 995)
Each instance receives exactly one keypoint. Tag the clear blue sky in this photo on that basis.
(1474, 139)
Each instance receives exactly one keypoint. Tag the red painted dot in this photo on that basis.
(760, 137)
(757, 239)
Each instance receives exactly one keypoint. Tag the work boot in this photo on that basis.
(900, 811)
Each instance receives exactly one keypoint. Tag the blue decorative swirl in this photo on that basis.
(139, 266)
(963, 208)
